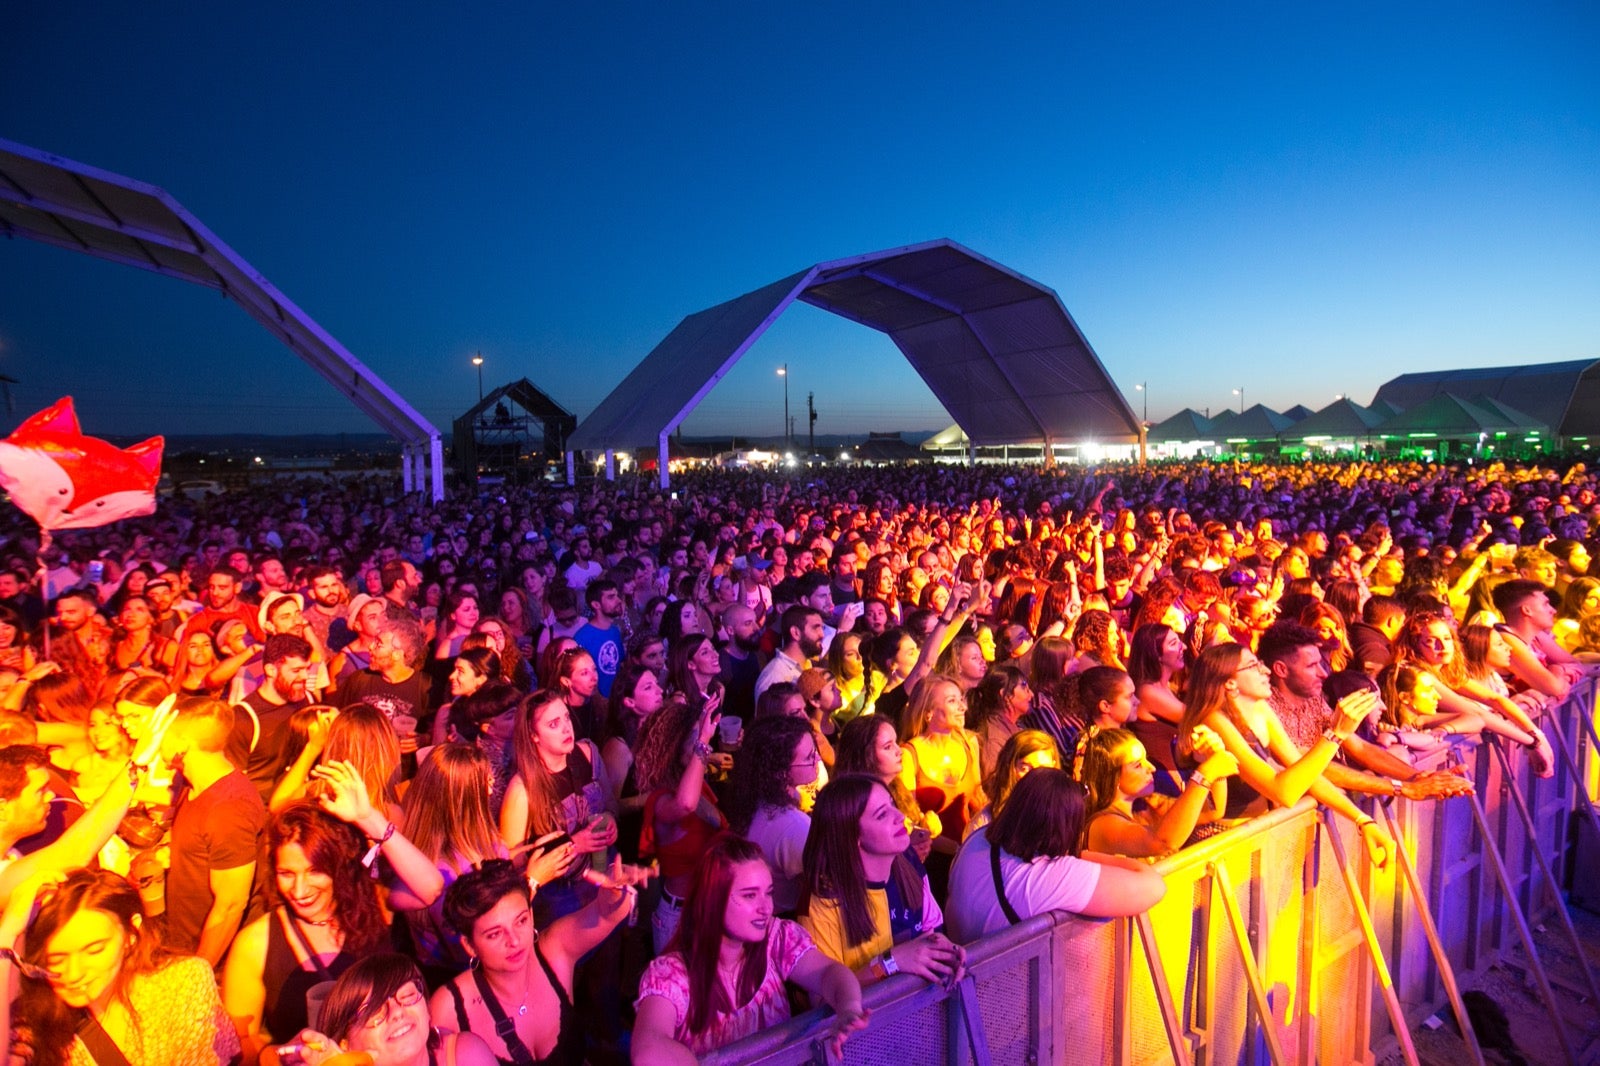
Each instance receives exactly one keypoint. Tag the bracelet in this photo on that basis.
(702, 750)
(1198, 778)
(1399, 787)
(1333, 736)
(1365, 820)
(377, 846)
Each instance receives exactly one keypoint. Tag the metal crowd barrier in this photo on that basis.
(1277, 942)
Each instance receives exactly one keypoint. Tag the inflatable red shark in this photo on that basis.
(64, 480)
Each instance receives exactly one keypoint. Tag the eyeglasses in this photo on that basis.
(1257, 665)
(408, 996)
(809, 760)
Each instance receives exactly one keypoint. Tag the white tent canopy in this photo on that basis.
(998, 351)
(83, 209)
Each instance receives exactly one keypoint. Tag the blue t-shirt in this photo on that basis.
(605, 647)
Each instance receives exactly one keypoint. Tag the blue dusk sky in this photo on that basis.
(1301, 199)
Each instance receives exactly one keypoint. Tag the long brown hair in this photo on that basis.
(363, 736)
(544, 802)
(50, 1024)
(1207, 691)
(1098, 765)
(1080, 695)
(663, 748)
(832, 858)
(447, 807)
(855, 751)
(1045, 816)
(704, 923)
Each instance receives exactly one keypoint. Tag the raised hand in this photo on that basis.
(346, 797)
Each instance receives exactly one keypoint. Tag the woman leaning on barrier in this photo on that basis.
(723, 975)
(1228, 690)
(865, 899)
(1027, 862)
(1125, 815)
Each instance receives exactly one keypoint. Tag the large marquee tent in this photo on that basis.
(71, 205)
(999, 351)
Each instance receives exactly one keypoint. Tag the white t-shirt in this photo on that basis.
(1045, 884)
(781, 835)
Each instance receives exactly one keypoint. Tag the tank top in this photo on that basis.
(569, 1046)
(287, 982)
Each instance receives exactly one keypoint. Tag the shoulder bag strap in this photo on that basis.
(504, 1027)
(999, 886)
(102, 1049)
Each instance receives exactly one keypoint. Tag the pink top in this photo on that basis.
(668, 978)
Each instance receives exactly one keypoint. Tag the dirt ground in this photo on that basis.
(1532, 1033)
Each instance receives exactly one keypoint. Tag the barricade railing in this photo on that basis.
(1254, 955)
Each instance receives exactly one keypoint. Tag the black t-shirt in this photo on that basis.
(260, 731)
(409, 697)
(739, 678)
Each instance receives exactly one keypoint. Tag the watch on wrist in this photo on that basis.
(890, 967)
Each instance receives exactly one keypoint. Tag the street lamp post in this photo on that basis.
(1141, 387)
(1239, 392)
(477, 361)
(783, 372)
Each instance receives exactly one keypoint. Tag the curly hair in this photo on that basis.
(1092, 635)
(761, 772)
(664, 745)
(334, 849)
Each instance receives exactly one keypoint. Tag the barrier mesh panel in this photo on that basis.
(1085, 1007)
(1008, 1000)
(913, 1039)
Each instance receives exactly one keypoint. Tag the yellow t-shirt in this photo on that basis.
(825, 923)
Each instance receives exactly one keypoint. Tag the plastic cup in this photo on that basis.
(316, 996)
(729, 728)
(404, 724)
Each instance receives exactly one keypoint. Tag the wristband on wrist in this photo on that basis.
(1198, 778)
(1333, 736)
(890, 967)
(377, 846)
(1399, 787)
(702, 750)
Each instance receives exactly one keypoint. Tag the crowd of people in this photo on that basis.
(571, 774)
